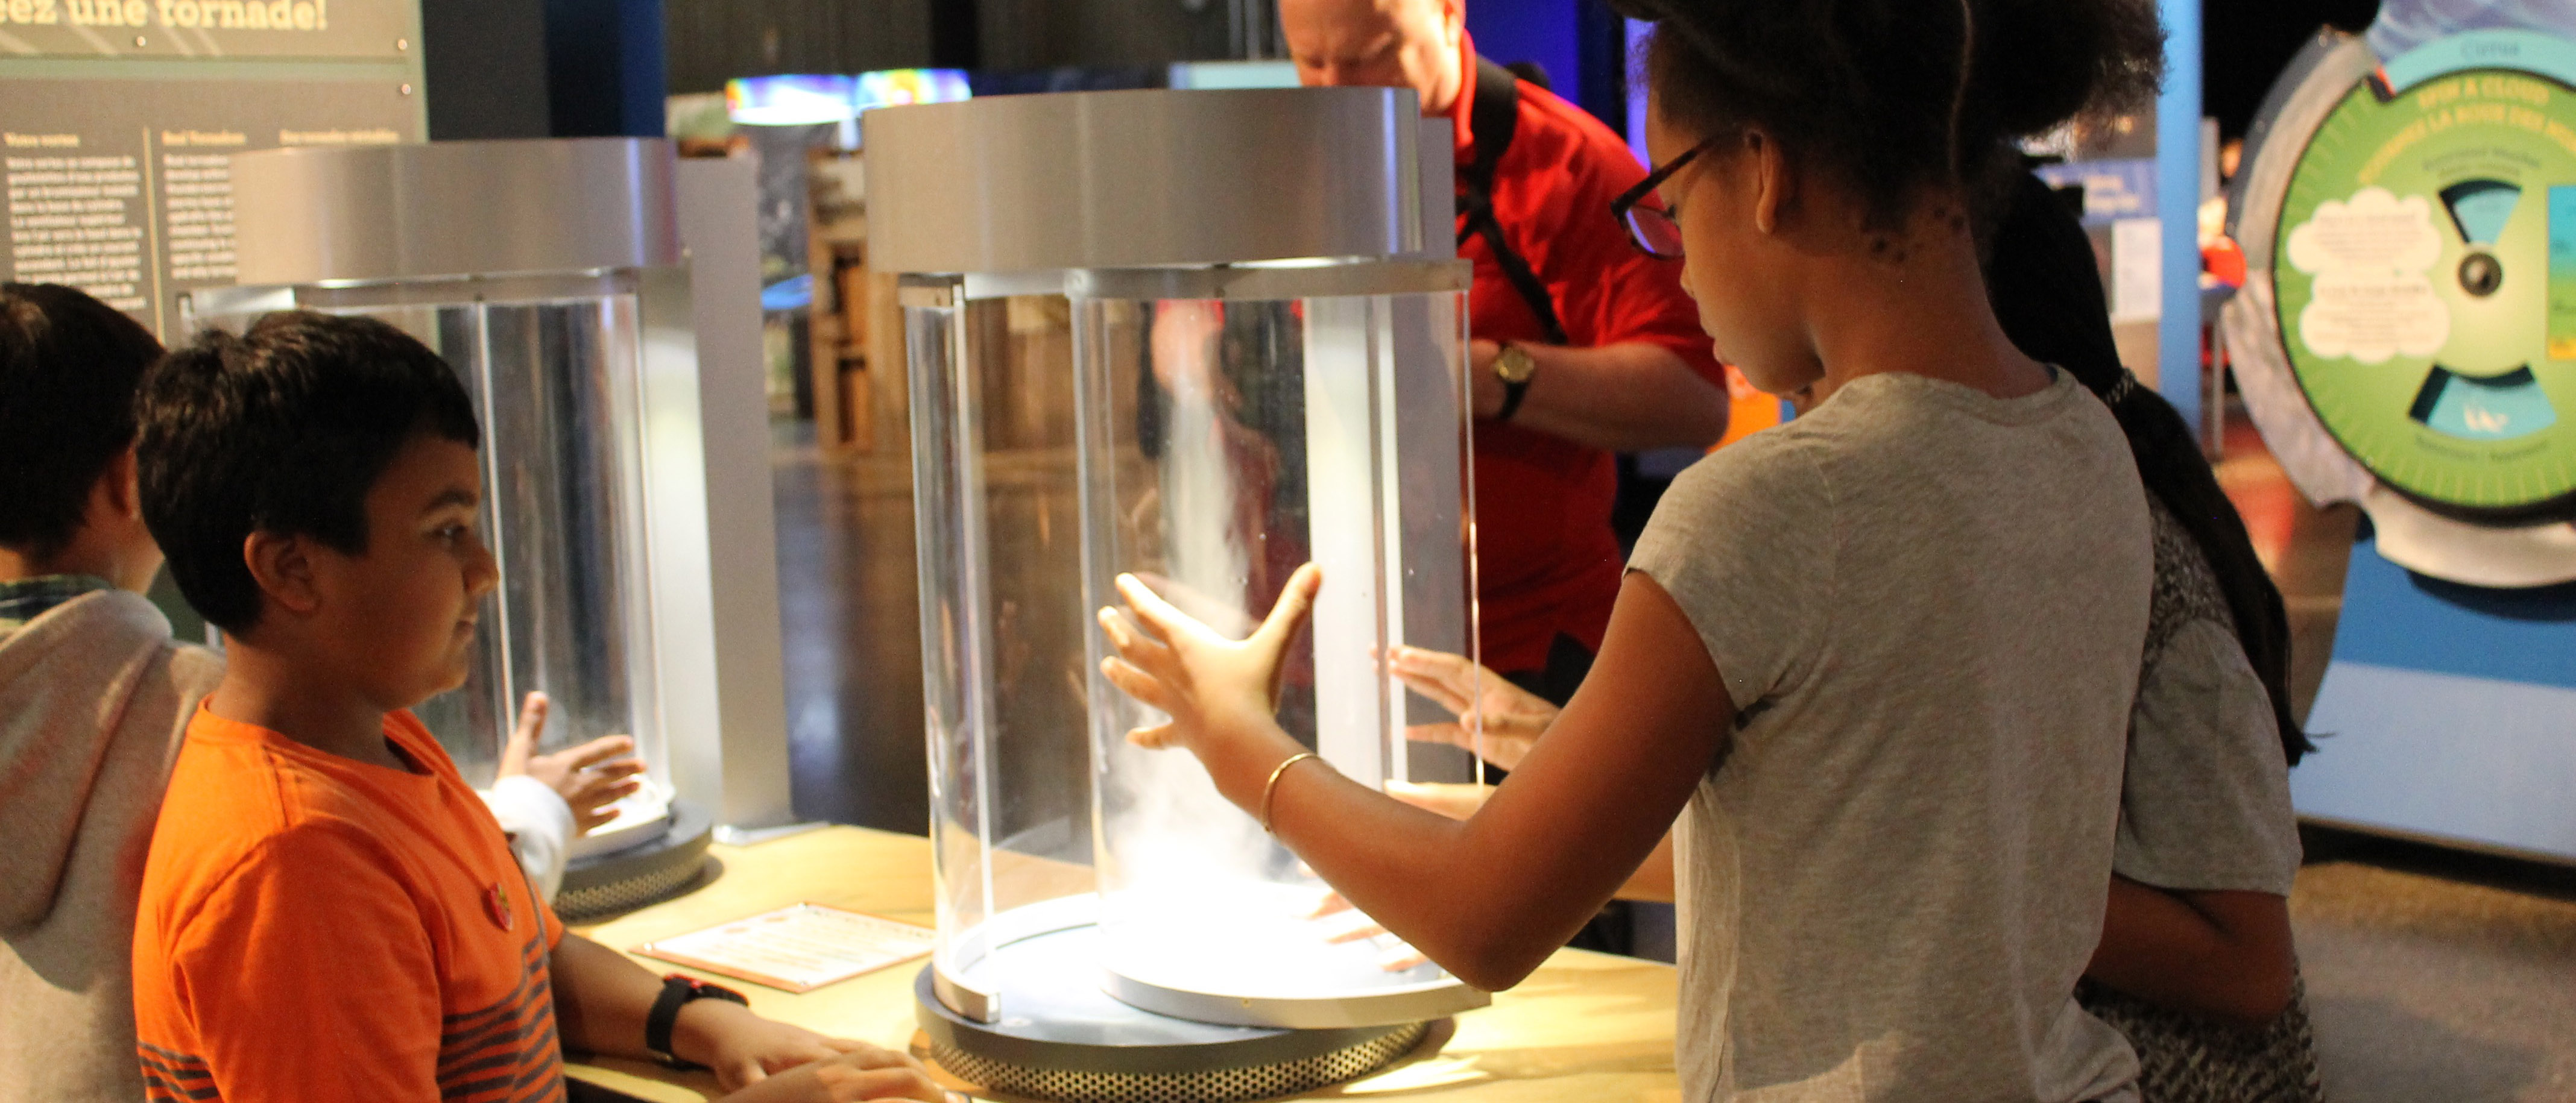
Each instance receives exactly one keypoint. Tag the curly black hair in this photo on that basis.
(1895, 95)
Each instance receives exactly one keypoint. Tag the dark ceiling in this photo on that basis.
(2245, 44)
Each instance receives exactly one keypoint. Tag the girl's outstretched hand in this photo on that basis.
(1209, 685)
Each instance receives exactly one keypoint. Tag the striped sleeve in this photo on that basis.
(170, 1075)
(507, 1052)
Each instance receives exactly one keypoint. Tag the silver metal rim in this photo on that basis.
(407, 212)
(601, 886)
(2320, 468)
(1361, 276)
(1027, 921)
(1156, 177)
(1413, 1003)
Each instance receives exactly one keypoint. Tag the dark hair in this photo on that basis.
(68, 368)
(1859, 87)
(2047, 294)
(1894, 95)
(282, 430)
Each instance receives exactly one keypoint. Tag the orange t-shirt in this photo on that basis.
(317, 928)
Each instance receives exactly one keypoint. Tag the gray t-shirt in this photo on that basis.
(1927, 604)
(2206, 805)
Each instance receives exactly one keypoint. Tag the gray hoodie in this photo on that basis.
(94, 697)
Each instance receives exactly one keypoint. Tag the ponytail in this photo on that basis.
(2047, 294)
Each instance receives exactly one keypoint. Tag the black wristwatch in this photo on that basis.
(677, 991)
(1514, 366)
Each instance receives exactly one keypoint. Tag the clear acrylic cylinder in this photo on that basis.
(549, 274)
(1207, 434)
(1225, 442)
(1200, 337)
(997, 523)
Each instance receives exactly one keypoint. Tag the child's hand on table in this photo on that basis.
(763, 1061)
(882, 1077)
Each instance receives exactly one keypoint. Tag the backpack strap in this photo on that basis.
(1491, 118)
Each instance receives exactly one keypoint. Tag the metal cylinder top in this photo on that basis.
(449, 209)
(1145, 179)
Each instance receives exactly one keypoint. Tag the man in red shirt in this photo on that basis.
(1582, 345)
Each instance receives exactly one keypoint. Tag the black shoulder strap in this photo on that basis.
(1491, 119)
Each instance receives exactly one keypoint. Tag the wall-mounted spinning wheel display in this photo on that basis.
(2406, 340)
(2407, 337)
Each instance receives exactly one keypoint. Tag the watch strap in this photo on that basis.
(1512, 395)
(677, 992)
(1514, 390)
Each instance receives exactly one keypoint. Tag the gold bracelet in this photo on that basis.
(1271, 788)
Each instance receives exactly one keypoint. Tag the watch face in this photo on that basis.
(2426, 280)
(1514, 364)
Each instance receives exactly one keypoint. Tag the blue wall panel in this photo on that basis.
(1544, 31)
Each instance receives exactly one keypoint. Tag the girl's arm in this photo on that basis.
(2225, 955)
(1491, 897)
(1652, 882)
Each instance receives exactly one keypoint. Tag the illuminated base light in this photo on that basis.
(1253, 938)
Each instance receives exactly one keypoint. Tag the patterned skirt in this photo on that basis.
(2184, 1058)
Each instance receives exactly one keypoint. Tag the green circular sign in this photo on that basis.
(2426, 279)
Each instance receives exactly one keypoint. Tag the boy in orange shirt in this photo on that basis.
(328, 912)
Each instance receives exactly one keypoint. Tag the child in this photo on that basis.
(2196, 966)
(327, 911)
(93, 693)
(1879, 661)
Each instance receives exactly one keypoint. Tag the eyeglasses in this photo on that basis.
(1652, 229)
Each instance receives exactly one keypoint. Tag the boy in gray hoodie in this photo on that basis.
(94, 694)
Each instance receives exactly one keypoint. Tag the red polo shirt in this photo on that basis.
(1547, 561)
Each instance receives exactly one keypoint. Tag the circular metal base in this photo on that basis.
(638, 875)
(1157, 955)
(1061, 1038)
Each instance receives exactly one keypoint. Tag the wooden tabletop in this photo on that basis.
(1587, 1026)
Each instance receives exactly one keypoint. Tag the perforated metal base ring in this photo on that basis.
(1232, 1085)
(595, 888)
(1070, 1043)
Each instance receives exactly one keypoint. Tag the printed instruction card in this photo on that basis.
(798, 948)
